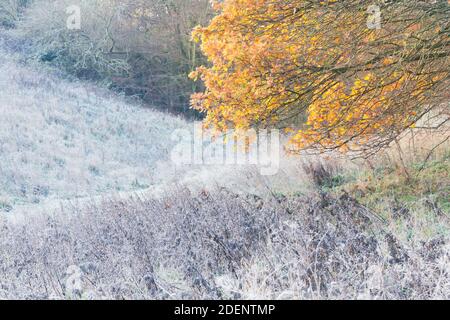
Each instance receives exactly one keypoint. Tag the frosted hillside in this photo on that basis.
(61, 139)
(68, 141)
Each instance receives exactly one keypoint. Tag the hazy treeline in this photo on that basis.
(140, 47)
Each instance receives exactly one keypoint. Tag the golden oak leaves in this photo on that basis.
(316, 70)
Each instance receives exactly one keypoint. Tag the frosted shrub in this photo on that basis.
(217, 245)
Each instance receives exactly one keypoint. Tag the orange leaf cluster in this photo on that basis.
(316, 70)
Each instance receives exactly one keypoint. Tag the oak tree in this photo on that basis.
(323, 71)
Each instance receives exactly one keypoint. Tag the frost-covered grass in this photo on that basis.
(221, 245)
(70, 140)
(65, 139)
